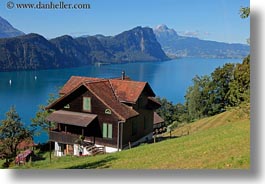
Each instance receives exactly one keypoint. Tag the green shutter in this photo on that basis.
(86, 104)
(105, 129)
(110, 131)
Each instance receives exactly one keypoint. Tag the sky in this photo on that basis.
(217, 20)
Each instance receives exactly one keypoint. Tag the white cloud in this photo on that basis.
(195, 34)
(189, 33)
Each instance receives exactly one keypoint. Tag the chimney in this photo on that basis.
(123, 75)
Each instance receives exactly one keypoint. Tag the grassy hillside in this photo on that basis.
(218, 142)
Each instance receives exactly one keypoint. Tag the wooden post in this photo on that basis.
(154, 138)
(50, 143)
(121, 143)
(30, 159)
(66, 149)
(130, 145)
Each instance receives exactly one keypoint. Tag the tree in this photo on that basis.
(39, 122)
(197, 97)
(181, 113)
(170, 112)
(239, 88)
(221, 79)
(244, 12)
(166, 111)
(12, 133)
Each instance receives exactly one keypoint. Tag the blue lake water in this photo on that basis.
(169, 79)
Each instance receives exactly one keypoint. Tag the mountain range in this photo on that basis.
(7, 30)
(175, 45)
(32, 51)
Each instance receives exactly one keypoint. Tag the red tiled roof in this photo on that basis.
(111, 92)
(127, 91)
(105, 93)
(75, 81)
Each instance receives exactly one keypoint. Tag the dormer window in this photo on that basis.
(67, 106)
(87, 104)
(107, 111)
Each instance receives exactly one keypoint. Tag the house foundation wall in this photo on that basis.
(142, 140)
(59, 147)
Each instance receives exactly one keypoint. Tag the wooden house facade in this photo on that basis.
(109, 113)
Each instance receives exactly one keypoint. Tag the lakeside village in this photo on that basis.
(97, 116)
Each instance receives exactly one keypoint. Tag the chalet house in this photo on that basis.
(106, 113)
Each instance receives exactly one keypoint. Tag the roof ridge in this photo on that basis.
(101, 80)
(117, 79)
(92, 91)
(113, 91)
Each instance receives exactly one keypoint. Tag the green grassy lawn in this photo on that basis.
(218, 142)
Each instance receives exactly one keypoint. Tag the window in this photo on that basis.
(107, 130)
(110, 131)
(134, 128)
(87, 104)
(67, 106)
(107, 111)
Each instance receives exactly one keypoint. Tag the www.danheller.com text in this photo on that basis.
(49, 5)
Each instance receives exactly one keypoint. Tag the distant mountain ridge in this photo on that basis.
(7, 30)
(175, 45)
(33, 51)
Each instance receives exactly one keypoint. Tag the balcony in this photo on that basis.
(65, 137)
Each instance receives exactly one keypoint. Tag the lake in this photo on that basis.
(169, 79)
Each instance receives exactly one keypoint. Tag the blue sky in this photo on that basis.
(217, 20)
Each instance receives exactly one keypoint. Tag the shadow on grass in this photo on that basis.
(38, 156)
(101, 164)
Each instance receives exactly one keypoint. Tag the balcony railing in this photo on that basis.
(63, 137)
(66, 138)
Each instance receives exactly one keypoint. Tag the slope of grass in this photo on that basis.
(218, 142)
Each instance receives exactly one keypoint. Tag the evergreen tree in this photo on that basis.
(12, 133)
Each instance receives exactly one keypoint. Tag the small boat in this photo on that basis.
(10, 82)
